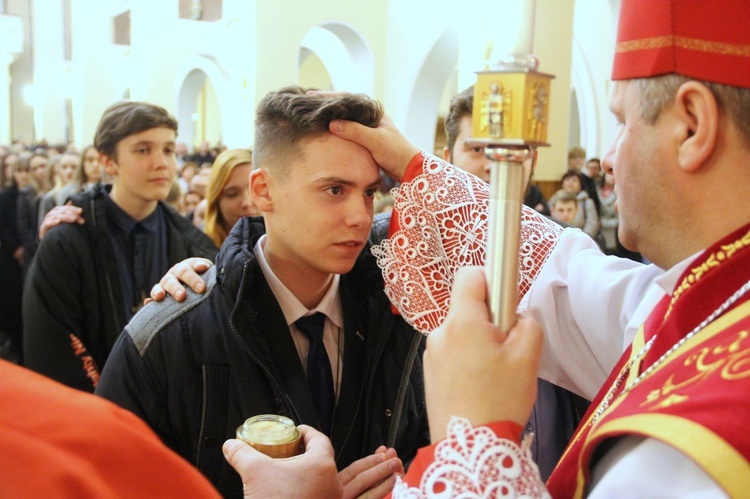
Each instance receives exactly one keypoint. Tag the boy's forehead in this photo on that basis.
(312, 150)
(161, 133)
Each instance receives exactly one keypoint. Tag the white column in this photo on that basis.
(51, 76)
(6, 60)
(11, 44)
(91, 83)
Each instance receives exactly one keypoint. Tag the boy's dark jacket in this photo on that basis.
(195, 371)
(73, 288)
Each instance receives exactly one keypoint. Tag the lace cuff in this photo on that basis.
(442, 220)
(474, 462)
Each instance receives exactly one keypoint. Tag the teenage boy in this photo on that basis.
(558, 411)
(564, 207)
(195, 371)
(87, 281)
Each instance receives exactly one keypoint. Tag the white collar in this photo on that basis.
(292, 308)
(668, 280)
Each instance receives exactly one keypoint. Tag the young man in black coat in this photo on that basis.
(195, 371)
(88, 280)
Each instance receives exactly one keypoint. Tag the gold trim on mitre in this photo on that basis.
(658, 42)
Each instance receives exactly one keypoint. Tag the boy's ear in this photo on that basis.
(108, 163)
(259, 187)
(447, 154)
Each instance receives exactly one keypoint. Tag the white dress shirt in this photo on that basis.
(293, 309)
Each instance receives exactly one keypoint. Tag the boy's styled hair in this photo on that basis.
(288, 116)
(126, 118)
(461, 105)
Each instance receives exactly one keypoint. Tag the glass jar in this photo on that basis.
(273, 435)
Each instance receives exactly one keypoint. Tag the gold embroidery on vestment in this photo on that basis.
(731, 362)
(714, 260)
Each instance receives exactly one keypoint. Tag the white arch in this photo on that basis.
(421, 117)
(582, 81)
(345, 54)
(188, 82)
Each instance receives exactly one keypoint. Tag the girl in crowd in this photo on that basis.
(587, 218)
(7, 162)
(28, 201)
(64, 169)
(87, 174)
(91, 170)
(228, 198)
(610, 219)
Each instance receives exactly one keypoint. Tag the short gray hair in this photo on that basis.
(657, 93)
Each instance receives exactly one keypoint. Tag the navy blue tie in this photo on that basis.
(319, 376)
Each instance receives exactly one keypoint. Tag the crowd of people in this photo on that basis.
(35, 178)
(626, 374)
(586, 199)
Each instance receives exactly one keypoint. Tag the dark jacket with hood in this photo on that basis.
(73, 305)
(195, 371)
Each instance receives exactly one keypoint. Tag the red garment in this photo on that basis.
(690, 401)
(426, 455)
(60, 442)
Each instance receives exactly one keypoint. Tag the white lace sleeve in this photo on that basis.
(475, 463)
(442, 215)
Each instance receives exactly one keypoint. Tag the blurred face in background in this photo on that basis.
(190, 201)
(469, 158)
(91, 166)
(21, 175)
(199, 214)
(572, 184)
(235, 201)
(576, 163)
(38, 166)
(8, 163)
(68, 167)
(565, 211)
(189, 171)
(593, 169)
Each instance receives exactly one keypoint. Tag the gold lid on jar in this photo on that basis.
(273, 435)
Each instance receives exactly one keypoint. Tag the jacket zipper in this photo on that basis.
(368, 393)
(107, 277)
(272, 379)
(401, 396)
(203, 418)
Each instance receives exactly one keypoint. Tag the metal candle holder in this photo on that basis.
(511, 105)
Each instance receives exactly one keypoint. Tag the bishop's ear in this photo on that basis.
(698, 115)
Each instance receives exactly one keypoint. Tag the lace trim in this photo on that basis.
(443, 226)
(473, 463)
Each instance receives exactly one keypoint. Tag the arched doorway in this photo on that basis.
(200, 90)
(430, 89)
(335, 56)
